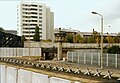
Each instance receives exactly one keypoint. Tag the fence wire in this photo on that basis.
(93, 58)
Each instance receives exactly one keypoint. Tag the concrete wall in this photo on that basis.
(15, 75)
(39, 78)
(11, 52)
(11, 75)
(58, 80)
(24, 76)
(3, 74)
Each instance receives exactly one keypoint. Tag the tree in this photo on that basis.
(109, 39)
(79, 39)
(1, 29)
(69, 37)
(91, 39)
(96, 36)
(23, 38)
(36, 36)
(105, 40)
(85, 39)
(116, 39)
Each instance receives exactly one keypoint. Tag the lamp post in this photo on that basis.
(101, 37)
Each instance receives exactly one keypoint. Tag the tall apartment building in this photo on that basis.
(31, 15)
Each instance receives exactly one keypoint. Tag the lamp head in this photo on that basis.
(94, 13)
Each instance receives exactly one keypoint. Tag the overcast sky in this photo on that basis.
(75, 14)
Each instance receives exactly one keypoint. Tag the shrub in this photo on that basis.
(114, 50)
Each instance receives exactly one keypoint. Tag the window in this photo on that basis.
(40, 32)
(26, 28)
(33, 9)
(32, 32)
(33, 24)
(40, 9)
(33, 16)
(40, 13)
(34, 5)
(26, 16)
(25, 32)
(26, 20)
(40, 24)
(40, 17)
(25, 5)
(25, 9)
(40, 21)
(40, 6)
(34, 20)
(33, 13)
(32, 28)
(25, 24)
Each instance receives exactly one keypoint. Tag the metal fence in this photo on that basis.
(11, 52)
(93, 58)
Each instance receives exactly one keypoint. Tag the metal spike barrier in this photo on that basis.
(77, 71)
(108, 74)
(55, 68)
(97, 73)
(69, 70)
(87, 72)
(61, 68)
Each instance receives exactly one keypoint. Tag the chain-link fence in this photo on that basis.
(93, 58)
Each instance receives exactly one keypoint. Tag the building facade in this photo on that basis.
(31, 15)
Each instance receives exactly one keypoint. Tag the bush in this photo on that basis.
(114, 50)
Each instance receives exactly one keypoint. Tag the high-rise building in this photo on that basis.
(31, 15)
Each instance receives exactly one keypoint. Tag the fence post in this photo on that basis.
(98, 58)
(67, 56)
(107, 60)
(91, 58)
(78, 57)
(116, 60)
(72, 56)
(84, 58)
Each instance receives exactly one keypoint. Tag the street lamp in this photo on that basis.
(101, 37)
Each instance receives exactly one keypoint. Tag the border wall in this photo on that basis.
(16, 75)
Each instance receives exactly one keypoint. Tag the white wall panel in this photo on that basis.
(3, 73)
(24, 76)
(14, 54)
(11, 75)
(7, 52)
(21, 51)
(18, 52)
(11, 51)
(39, 78)
(58, 80)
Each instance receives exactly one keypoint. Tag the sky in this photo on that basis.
(74, 14)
